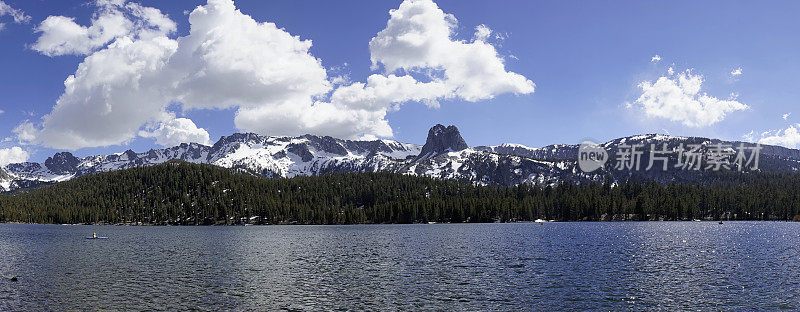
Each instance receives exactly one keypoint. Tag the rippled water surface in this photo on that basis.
(558, 266)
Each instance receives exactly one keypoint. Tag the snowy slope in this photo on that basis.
(269, 156)
(444, 156)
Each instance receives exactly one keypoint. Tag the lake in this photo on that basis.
(522, 266)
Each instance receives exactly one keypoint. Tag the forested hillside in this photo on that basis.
(183, 193)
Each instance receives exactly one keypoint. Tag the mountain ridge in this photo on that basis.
(445, 155)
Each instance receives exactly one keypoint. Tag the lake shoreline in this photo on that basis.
(415, 223)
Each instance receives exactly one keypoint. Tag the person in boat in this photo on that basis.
(94, 235)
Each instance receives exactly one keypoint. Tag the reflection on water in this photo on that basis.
(558, 266)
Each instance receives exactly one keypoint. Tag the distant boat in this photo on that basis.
(696, 220)
(94, 236)
(540, 221)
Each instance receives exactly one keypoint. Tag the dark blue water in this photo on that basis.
(558, 266)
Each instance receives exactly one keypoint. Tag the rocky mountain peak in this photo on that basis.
(442, 139)
(62, 163)
(126, 156)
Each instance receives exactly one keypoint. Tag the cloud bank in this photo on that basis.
(133, 69)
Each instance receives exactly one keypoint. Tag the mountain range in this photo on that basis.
(445, 155)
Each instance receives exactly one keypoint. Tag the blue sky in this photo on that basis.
(592, 64)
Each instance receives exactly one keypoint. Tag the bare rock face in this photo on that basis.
(62, 163)
(442, 140)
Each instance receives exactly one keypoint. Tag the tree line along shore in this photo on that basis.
(180, 193)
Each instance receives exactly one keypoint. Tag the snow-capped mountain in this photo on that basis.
(773, 159)
(445, 155)
(268, 156)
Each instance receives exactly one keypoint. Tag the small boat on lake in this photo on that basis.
(94, 236)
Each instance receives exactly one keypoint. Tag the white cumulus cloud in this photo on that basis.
(418, 38)
(172, 131)
(114, 92)
(228, 59)
(12, 155)
(789, 137)
(680, 99)
(736, 72)
(60, 35)
(133, 70)
(786, 116)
